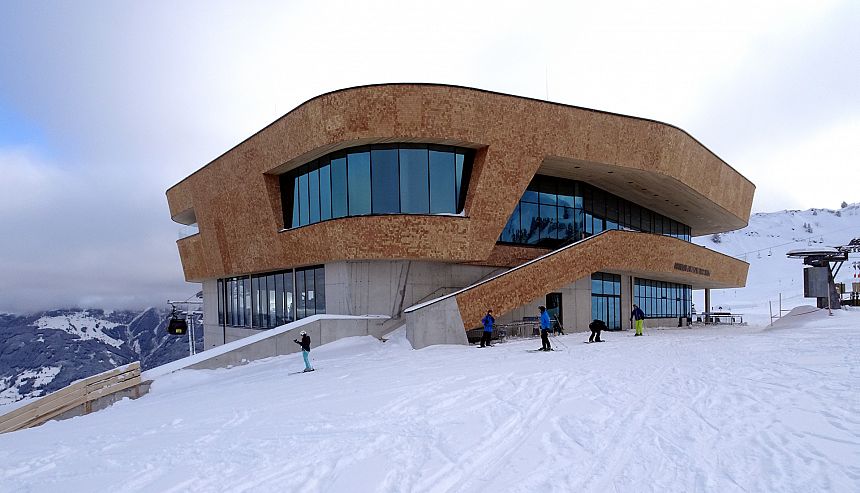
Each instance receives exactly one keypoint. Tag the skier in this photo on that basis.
(639, 316)
(596, 326)
(545, 327)
(306, 349)
(488, 322)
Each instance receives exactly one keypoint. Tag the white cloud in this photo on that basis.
(795, 171)
(27, 179)
(133, 98)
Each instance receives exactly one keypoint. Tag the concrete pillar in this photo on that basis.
(707, 304)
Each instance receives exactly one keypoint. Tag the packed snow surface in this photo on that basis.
(705, 409)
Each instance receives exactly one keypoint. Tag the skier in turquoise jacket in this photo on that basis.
(305, 343)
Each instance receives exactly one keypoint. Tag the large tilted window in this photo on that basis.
(606, 299)
(555, 211)
(377, 179)
(659, 299)
(263, 301)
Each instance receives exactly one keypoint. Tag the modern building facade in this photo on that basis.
(431, 203)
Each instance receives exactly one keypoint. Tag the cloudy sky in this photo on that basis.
(104, 105)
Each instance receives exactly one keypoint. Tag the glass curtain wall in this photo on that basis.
(606, 299)
(554, 212)
(659, 299)
(377, 179)
(269, 300)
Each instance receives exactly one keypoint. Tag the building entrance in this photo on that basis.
(553, 306)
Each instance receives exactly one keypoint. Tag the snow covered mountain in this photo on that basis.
(46, 351)
(764, 243)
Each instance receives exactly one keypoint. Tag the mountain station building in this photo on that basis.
(430, 204)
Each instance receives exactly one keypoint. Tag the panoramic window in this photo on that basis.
(659, 299)
(554, 212)
(263, 301)
(377, 179)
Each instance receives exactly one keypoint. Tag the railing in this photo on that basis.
(716, 318)
(79, 394)
(521, 329)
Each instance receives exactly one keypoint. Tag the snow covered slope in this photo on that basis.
(764, 243)
(709, 409)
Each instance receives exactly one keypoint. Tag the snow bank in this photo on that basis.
(710, 409)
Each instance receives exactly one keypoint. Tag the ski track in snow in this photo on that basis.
(717, 409)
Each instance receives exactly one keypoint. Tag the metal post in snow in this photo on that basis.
(770, 309)
(188, 331)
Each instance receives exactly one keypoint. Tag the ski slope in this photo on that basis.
(764, 243)
(707, 409)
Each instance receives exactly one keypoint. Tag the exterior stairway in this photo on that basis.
(639, 254)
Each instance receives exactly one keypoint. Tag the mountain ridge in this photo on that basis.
(45, 351)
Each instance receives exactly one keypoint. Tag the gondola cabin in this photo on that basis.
(177, 326)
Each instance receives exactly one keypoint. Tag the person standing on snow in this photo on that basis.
(545, 327)
(637, 316)
(488, 322)
(306, 349)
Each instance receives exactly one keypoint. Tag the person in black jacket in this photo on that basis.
(306, 349)
(596, 326)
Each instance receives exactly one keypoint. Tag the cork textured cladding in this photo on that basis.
(640, 254)
(512, 255)
(235, 199)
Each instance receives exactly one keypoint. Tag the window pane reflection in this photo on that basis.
(442, 186)
(338, 187)
(571, 210)
(414, 188)
(358, 169)
(385, 180)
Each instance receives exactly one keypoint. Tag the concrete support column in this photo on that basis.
(707, 304)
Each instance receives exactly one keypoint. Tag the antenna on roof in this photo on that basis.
(546, 80)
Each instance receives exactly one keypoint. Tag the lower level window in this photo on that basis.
(606, 299)
(660, 299)
(272, 299)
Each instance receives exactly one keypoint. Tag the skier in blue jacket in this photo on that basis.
(545, 327)
(488, 322)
